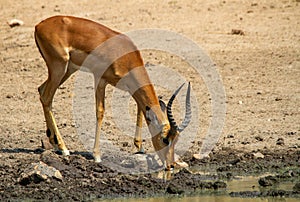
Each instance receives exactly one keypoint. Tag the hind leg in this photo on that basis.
(57, 70)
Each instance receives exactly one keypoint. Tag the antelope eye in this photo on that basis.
(166, 141)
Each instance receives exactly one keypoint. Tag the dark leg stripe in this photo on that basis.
(48, 132)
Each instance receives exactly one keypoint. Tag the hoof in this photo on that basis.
(141, 151)
(97, 159)
(65, 152)
(62, 152)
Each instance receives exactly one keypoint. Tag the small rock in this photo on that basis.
(258, 155)
(230, 136)
(38, 172)
(258, 138)
(196, 156)
(237, 32)
(182, 164)
(280, 141)
(291, 133)
(56, 9)
(267, 181)
(125, 144)
(200, 156)
(15, 22)
(245, 142)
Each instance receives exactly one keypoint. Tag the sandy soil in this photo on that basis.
(260, 70)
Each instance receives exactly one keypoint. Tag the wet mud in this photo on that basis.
(83, 179)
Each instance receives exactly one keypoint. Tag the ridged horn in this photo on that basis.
(188, 112)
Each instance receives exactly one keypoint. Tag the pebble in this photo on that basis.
(15, 22)
(280, 141)
(182, 164)
(258, 155)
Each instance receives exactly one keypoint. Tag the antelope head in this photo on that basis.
(167, 135)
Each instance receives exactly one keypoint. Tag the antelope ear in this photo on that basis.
(163, 106)
(151, 116)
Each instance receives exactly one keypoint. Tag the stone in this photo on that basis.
(196, 156)
(38, 172)
(15, 22)
(267, 181)
(181, 164)
(258, 155)
(280, 141)
(200, 156)
(237, 32)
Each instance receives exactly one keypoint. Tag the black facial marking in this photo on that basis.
(48, 132)
(147, 108)
(55, 139)
(166, 141)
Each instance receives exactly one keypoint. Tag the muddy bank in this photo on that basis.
(82, 179)
(233, 162)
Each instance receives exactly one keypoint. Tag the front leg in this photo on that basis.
(138, 132)
(100, 108)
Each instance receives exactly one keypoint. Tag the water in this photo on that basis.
(202, 198)
(248, 183)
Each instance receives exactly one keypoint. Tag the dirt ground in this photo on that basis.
(259, 67)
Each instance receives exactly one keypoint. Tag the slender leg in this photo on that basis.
(100, 108)
(47, 91)
(138, 132)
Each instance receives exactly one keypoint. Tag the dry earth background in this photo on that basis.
(260, 69)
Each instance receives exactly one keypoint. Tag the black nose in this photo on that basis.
(166, 141)
(171, 168)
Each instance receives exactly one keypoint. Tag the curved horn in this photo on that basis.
(169, 109)
(188, 111)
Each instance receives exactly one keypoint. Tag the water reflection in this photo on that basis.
(245, 183)
(202, 199)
